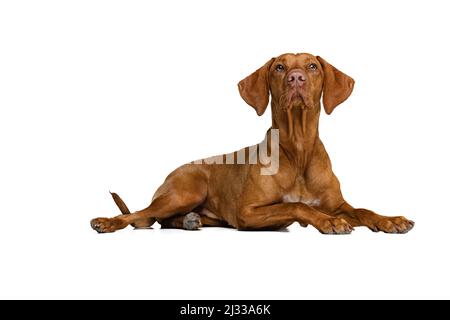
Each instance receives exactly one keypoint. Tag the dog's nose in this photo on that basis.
(296, 78)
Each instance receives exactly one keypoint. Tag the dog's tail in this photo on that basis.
(119, 202)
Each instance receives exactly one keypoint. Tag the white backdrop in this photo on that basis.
(113, 95)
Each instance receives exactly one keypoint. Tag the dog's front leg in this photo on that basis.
(281, 215)
(372, 220)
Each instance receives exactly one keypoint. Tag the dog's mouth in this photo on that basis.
(294, 97)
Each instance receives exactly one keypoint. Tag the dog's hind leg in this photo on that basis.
(145, 223)
(183, 190)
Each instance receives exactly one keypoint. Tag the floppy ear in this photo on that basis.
(337, 86)
(255, 88)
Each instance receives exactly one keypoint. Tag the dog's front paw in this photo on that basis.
(391, 225)
(333, 226)
(105, 225)
(192, 221)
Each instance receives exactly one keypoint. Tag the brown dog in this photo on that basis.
(302, 188)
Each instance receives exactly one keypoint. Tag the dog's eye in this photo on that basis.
(312, 66)
(279, 68)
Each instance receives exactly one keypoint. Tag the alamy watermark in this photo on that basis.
(269, 163)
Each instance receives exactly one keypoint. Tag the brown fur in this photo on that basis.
(239, 196)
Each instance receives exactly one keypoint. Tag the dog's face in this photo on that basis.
(296, 81)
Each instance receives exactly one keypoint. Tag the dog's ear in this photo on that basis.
(337, 86)
(255, 88)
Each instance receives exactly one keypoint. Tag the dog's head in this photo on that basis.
(296, 81)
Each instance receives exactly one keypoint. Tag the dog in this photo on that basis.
(300, 188)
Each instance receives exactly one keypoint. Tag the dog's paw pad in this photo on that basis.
(192, 221)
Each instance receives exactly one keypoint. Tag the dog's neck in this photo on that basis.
(298, 131)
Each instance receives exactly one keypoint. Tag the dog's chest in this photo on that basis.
(293, 198)
(299, 193)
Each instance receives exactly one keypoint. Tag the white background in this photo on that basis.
(113, 95)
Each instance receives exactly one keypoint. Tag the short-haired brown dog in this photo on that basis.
(303, 188)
